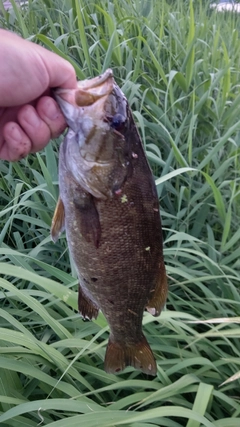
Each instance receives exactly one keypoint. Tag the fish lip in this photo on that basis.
(69, 110)
(96, 81)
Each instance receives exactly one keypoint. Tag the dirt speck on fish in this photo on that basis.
(109, 207)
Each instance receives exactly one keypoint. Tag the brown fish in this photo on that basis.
(109, 207)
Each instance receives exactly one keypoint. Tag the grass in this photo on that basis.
(178, 63)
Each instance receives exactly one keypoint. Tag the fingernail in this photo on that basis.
(51, 110)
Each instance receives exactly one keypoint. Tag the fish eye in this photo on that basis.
(118, 122)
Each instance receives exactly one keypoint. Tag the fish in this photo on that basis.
(108, 206)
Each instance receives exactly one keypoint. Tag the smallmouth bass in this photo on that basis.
(109, 207)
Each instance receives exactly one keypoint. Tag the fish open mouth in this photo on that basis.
(88, 91)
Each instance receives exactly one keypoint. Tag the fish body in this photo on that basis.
(109, 207)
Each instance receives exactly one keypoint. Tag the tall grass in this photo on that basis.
(178, 63)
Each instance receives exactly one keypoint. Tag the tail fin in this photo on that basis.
(139, 355)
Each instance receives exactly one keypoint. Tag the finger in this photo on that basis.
(50, 113)
(16, 144)
(35, 128)
(60, 72)
(47, 70)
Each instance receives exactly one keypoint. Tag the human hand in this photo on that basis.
(29, 116)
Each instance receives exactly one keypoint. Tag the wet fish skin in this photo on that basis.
(110, 209)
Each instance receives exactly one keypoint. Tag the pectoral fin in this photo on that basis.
(58, 221)
(90, 227)
(158, 295)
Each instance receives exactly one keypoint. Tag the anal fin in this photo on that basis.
(58, 221)
(139, 355)
(158, 295)
(86, 307)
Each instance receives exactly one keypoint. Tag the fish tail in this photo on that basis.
(139, 355)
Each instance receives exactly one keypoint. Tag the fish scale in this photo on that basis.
(110, 210)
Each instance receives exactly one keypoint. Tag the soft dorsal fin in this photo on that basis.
(158, 295)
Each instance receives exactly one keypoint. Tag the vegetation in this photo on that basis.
(179, 65)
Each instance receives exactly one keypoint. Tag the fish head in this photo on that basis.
(95, 149)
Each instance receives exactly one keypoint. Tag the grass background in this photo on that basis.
(179, 65)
